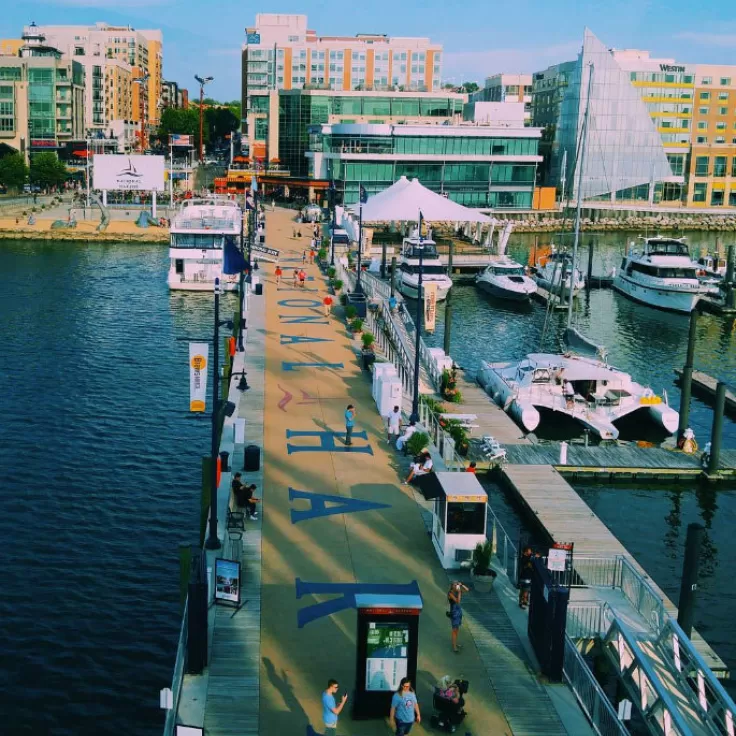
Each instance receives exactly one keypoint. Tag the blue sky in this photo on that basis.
(480, 37)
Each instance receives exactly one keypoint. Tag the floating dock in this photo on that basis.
(705, 386)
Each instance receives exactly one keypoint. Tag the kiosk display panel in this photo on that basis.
(387, 655)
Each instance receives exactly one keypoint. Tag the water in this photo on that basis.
(100, 468)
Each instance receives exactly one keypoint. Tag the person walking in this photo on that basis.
(526, 566)
(327, 303)
(295, 278)
(349, 424)
(302, 277)
(330, 709)
(279, 273)
(404, 708)
(393, 424)
(454, 598)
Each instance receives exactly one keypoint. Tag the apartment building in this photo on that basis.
(281, 53)
(508, 88)
(173, 96)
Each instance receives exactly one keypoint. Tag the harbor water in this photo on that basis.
(100, 462)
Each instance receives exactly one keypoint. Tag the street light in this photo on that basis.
(202, 81)
(331, 203)
(362, 199)
(415, 400)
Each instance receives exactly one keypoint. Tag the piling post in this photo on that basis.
(730, 291)
(590, 265)
(383, 259)
(689, 584)
(448, 303)
(393, 274)
(687, 376)
(717, 433)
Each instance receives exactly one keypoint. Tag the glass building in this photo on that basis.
(476, 166)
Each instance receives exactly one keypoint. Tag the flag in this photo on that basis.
(250, 203)
(234, 261)
(177, 139)
(429, 292)
(363, 195)
(198, 354)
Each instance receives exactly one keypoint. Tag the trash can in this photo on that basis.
(224, 460)
(360, 303)
(369, 358)
(252, 458)
(259, 289)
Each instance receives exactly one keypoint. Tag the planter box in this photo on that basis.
(483, 583)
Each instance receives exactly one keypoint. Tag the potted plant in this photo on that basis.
(448, 386)
(331, 272)
(368, 354)
(417, 442)
(480, 570)
(343, 299)
(322, 254)
(337, 285)
(356, 326)
(350, 313)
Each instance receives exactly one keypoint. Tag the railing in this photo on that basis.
(642, 596)
(178, 678)
(589, 694)
(591, 572)
(588, 620)
(504, 549)
(440, 438)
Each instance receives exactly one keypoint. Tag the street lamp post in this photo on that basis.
(331, 202)
(213, 541)
(362, 198)
(202, 81)
(415, 399)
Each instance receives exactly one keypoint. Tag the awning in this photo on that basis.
(429, 486)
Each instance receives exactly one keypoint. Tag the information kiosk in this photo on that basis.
(458, 515)
(388, 640)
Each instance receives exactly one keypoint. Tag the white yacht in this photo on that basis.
(554, 271)
(663, 275)
(710, 265)
(506, 279)
(196, 249)
(588, 390)
(432, 269)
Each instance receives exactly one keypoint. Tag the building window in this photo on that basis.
(725, 81)
(702, 164)
(723, 111)
(706, 80)
(723, 96)
(716, 198)
(703, 110)
(705, 95)
(699, 192)
(720, 126)
(687, 79)
(703, 139)
(720, 139)
(702, 125)
(719, 166)
(733, 166)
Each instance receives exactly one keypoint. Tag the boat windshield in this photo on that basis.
(507, 271)
(410, 268)
(666, 248)
(429, 251)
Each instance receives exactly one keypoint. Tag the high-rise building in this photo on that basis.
(660, 132)
(281, 53)
(508, 88)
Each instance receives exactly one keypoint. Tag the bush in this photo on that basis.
(417, 442)
(343, 299)
(482, 555)
(368, 339)
(459, 434)
(322, 254)
(337, 285)
(350, 312)
(448, 386)
(331, 272)
(433, 404)
(356, 325)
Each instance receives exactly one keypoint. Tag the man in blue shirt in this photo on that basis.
(330, 710)
(349, 424)
(404, 708)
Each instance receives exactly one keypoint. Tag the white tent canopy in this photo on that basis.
(403, 201)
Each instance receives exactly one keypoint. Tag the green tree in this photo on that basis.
(185, 122)
(470, 87)
(220, 122)
(47, 170)
(13, 171)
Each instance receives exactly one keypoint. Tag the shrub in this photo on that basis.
(458, 433)
(331, 272)
(337, 285)
(433, 404)
(322, 254)
(356, 325)
(368, 339)
(343, 299)
(482, 558)
(417, 442)
(350, 312)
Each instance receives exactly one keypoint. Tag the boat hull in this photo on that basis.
(410, 291)
(497, 291)
(670, 300)
(200, 286)
(548, 286)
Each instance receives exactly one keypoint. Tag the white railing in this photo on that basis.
(503, 547)
(441, 439)
(589, 694)
(178, 678)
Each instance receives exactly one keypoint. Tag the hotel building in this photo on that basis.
(281, 53)
(661, 132)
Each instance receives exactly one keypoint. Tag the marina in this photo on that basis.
(705, 385)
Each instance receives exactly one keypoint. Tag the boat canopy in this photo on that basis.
(574, 368)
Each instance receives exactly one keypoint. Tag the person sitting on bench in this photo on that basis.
(421, 467)
(244, 496)
(408, 432)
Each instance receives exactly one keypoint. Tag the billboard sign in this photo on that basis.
(252, 38)
(130, 173)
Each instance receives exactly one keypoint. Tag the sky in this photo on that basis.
(480, 37)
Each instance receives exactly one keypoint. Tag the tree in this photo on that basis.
(13, 171)
(47, 170)
(220, 122)
(470, 87)
(184, 122)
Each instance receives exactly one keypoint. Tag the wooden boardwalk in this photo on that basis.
(564, 517)
(705, 386)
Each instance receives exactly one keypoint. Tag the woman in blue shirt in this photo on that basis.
(404, 708)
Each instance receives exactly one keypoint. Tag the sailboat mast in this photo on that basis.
(578, 208)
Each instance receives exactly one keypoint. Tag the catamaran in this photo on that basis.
(196, 249)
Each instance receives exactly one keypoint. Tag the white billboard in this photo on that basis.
(132, 173)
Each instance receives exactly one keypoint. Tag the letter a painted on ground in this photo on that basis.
(326, 442)
(347, 593)
(318, 505)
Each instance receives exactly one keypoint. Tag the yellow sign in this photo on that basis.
(467, 499)
(429, 289)
(198, 354)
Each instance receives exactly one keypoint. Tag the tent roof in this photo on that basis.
(402, 202)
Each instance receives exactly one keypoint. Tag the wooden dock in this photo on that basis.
(551, 300)
(564, 517)
(705, 386)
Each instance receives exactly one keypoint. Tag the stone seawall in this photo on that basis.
(116, 232)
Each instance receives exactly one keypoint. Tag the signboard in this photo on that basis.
(430, 305)
(132, 173)
(252, 38)
(227, 581)
(198, 356)
(179, 139)
(556, 560)
(42, 143)
(268, 251)
(387, 653)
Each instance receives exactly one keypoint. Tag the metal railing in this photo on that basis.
(642, 596)
(504, 549)
(589, 694)
(178, 677)
(588, 620)
(440, 438)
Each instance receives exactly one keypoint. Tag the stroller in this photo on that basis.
(448, 715)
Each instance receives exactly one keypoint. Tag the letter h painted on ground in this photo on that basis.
(347, 593)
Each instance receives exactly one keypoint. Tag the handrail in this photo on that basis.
(589, 693)
(509, 556)
(178, 677)
(440, 438)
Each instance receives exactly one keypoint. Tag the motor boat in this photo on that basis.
(433, 271)
(553, 272)
(663, 275)
(197, 241)
(710, 265)
(506, 279)
(589, 391)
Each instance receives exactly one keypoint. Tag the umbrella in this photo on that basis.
(404, 200)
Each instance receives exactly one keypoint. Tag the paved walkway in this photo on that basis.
(385, 545)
